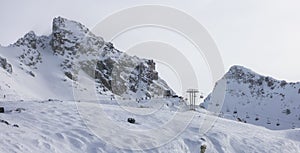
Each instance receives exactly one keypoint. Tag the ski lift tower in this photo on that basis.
(192, 96)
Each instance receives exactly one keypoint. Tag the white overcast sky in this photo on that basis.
(263, 35)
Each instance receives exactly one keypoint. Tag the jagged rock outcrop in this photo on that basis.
(69, 36)
(115, 71)
(31, 46)
(5, 65)
(73, 40)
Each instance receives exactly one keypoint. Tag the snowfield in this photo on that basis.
(68, 126)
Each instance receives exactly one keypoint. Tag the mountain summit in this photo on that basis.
(48, 63)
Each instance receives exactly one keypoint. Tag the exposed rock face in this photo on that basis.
(31, 44)
(30, 40)
(115, 71)
(73, 40)
(258, 99)
(6, 66)
(70, 36)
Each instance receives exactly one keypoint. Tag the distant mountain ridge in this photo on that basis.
(260, 100)
(71, 47)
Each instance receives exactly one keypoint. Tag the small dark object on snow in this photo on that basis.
(239, 119)
(175, 96)
(131, 120)
(15, 125)
(20, 110)
(1, 109)
(3, 121)
(202, 139)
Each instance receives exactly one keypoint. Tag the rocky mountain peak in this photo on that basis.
(244, 75)
(60, 24)
(240, 73)
(30, 40)
(68, 35)
(30, 35)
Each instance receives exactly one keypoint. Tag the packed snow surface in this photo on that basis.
(61, 126)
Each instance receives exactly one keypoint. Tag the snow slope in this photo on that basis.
(257, 99)
(59, 126)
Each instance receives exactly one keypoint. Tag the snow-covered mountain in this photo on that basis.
(259, 100)
(42, 67)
